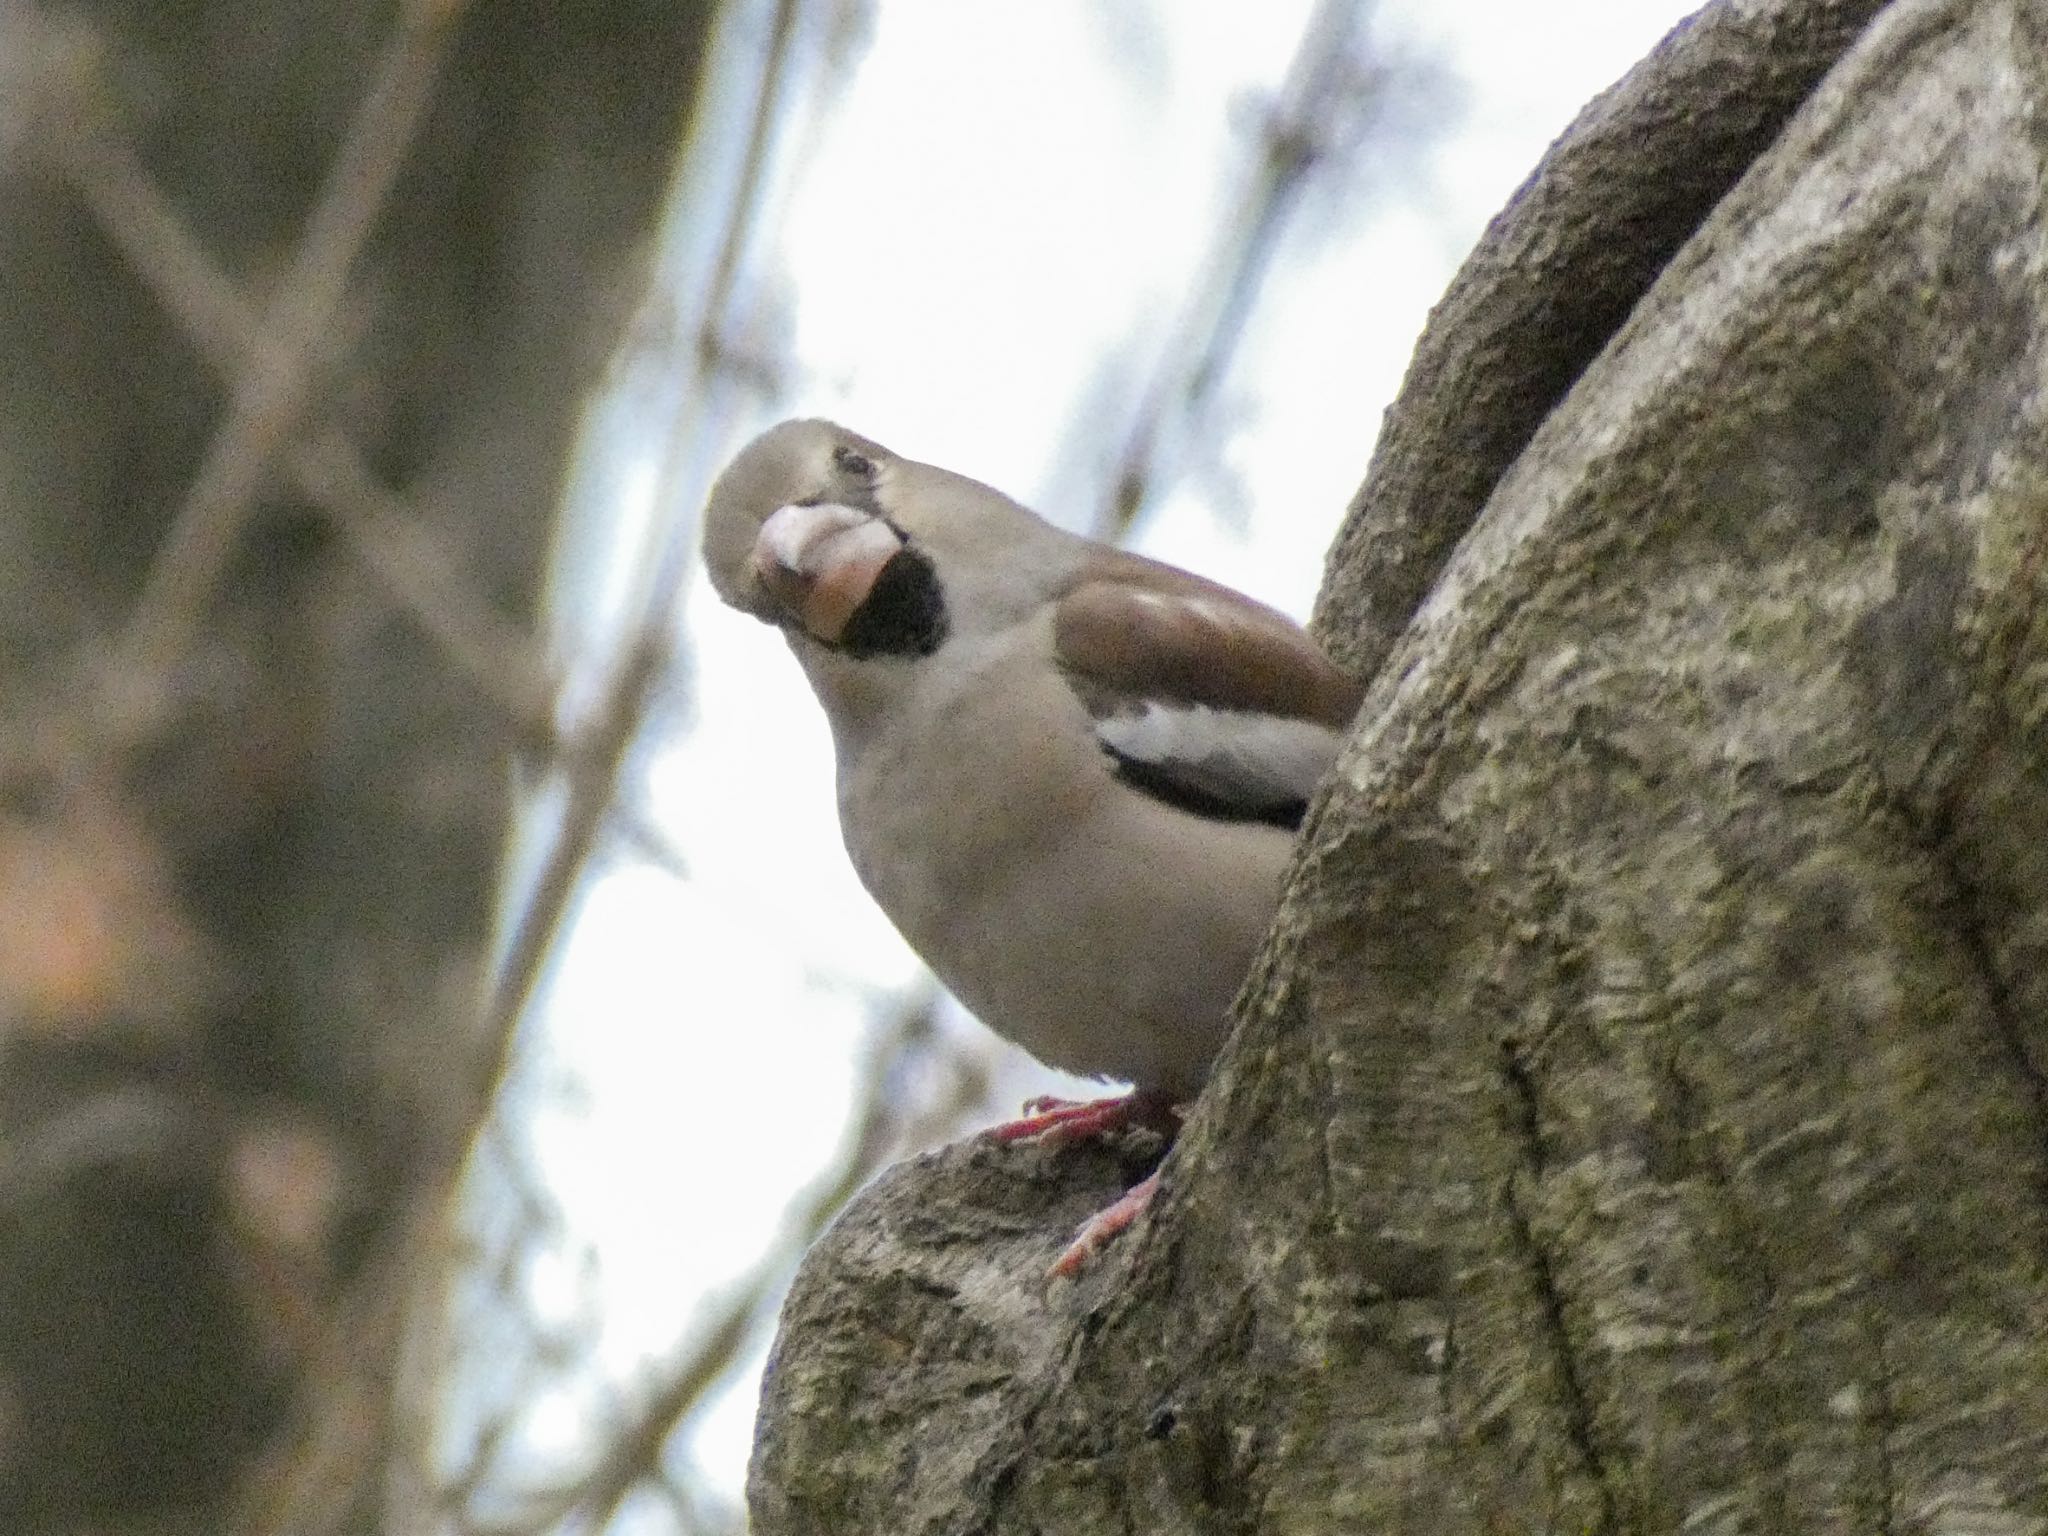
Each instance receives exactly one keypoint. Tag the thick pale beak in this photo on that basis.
(820, 562)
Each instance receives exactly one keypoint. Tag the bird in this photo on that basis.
(1069, 774)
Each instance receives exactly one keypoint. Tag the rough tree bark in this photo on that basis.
(1639, 1119)
(281, 437)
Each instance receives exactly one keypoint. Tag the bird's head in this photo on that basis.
(811, 464)
(835, 538)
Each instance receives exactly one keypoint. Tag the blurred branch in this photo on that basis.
(632, 1455)
(228, 328)
(599, 749)
(398, 548)
(388, 536)
(316, 1480)
(715, 348)
(277, 371)
(274, 357)
(392, 541)
(594, 754)
(1320, 113)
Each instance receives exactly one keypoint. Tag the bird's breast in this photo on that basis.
(1102, 931)
(968, 777)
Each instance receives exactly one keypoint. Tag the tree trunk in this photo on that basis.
(1639, 1119)
(298, 304)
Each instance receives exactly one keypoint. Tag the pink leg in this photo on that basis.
(1064, 1120)
(1105, 1224)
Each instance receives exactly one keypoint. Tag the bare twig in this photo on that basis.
(1296, 137)
(275, 377)
(272, 356)
(649, 842)
(397, 548)
(392, 542)
(601, 746)
(345, 1423)
(714, 350)
(632, 1455)
(596, 752)
(331, 471)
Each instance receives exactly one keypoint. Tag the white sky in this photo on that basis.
(1006, 197)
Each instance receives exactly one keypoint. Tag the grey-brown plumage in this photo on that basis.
(1066, 772)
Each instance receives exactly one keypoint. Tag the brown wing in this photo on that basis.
(1134, 628)
(1201, 697)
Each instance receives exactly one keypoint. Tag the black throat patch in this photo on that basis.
(905, 611)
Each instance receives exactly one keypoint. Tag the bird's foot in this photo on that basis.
(1105, 1224)
(1064, 1120)
(1057, 1121)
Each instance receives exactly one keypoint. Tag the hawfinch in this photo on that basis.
(1070, 775)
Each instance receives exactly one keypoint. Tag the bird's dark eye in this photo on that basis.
(853, 463)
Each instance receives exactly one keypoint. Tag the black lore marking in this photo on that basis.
(905, 612)
(1161, 782)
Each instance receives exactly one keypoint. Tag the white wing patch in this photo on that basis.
(1236, 757)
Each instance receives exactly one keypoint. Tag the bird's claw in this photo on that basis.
(1105, 1224)
(1064, 1120)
